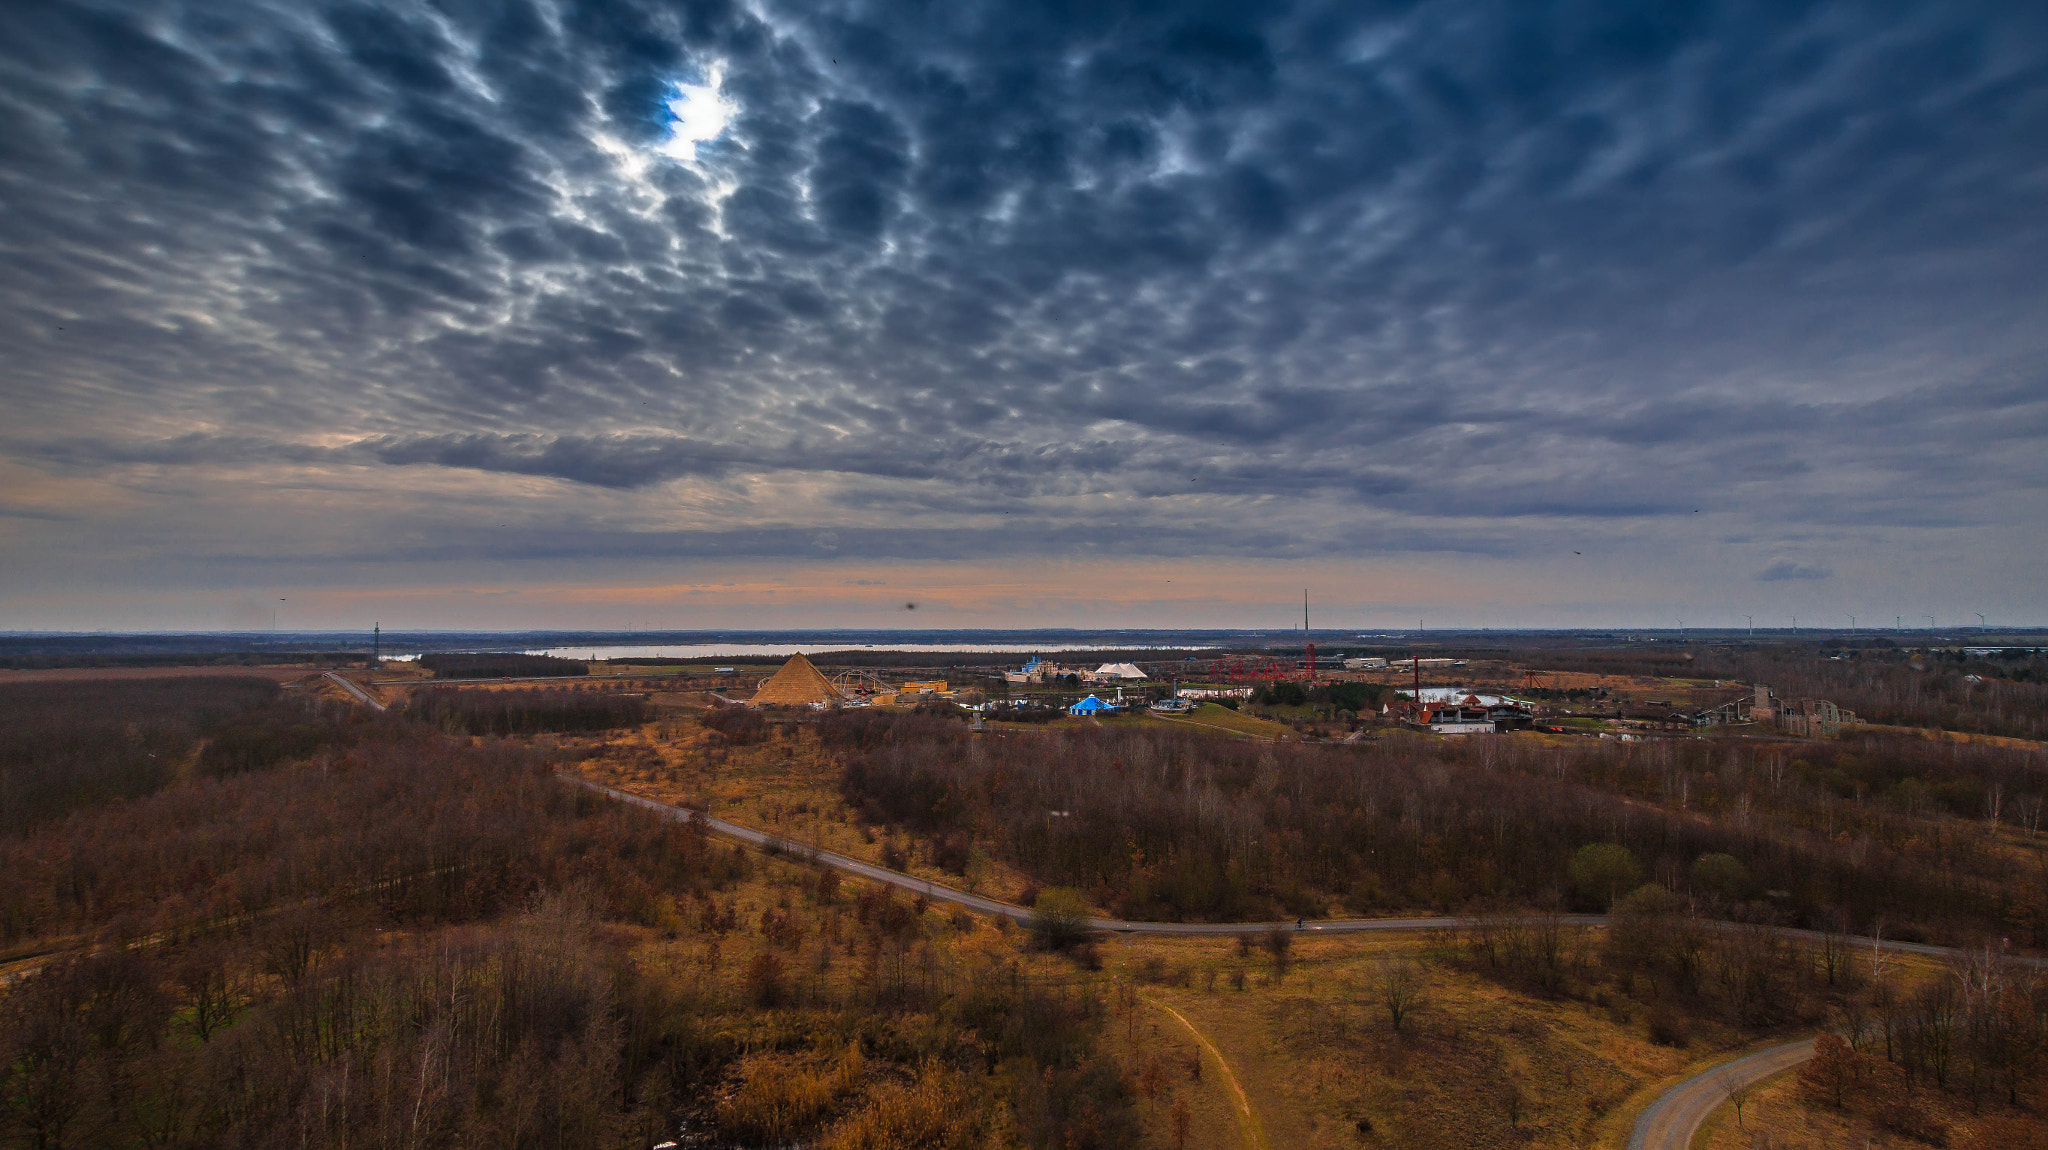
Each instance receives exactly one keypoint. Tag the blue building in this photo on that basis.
(1091, 706)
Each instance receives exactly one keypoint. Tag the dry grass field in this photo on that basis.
(1473, 1065)
(1311, 1046)
(785, 785)
(1235, 722)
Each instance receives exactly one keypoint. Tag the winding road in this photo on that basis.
(1669, 1122)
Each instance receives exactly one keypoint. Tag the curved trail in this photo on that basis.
(1667, 1124)
(1670, 1122)
(1253, 1136)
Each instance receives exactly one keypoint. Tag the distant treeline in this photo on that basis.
(1178, 826)
(43, 662)
(67, 745)
(501, 665)
(1880, 684)
(532, 712)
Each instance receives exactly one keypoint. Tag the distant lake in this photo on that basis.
(784, 650)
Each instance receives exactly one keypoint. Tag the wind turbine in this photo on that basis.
(1982, 624)
(1752, 623)
(1930, 624)
(1852, 623)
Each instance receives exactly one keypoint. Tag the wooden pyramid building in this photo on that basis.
(797, 684)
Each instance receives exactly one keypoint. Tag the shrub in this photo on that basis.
(1279, 943)
(779, 1100)
(1602, 871)
(1667, 1028)
(1059, 918)
(741, 726)
(936, 1112)
(1722, 875)
(764, 980)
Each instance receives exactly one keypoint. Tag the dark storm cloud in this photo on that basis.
(1472, 264)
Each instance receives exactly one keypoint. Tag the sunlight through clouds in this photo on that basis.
(699, 114)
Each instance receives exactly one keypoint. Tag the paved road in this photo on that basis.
(361, 695)
(1668, 1124)
(940, 892)
(1673, 1119)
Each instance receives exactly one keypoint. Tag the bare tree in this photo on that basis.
(1402, 989)
(1737, 1091)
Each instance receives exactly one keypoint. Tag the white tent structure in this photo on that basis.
(1118, 671)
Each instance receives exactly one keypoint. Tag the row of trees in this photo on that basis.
(528, 712)
(501, 665)
(1968, 1041)
(1171, 825)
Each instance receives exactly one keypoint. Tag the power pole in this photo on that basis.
(1305, 640)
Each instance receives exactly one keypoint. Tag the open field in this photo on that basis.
(1236, 722)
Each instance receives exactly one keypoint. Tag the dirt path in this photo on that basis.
(1254, 1137)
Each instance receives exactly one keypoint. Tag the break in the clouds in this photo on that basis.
(1752, 289)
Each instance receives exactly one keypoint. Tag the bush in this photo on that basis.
(764, 980)
(936, 1112)
(1059, 918)
(1667, 1028)
(1602, 871)
(1721, 875)
(741, 726)
(1279, 943)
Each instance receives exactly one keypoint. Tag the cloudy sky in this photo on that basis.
(650, 313)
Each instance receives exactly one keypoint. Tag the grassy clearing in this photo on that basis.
(1476, 1065)
(1223, 718)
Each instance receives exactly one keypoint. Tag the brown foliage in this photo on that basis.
(1831, 1075)
(1176, 825)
